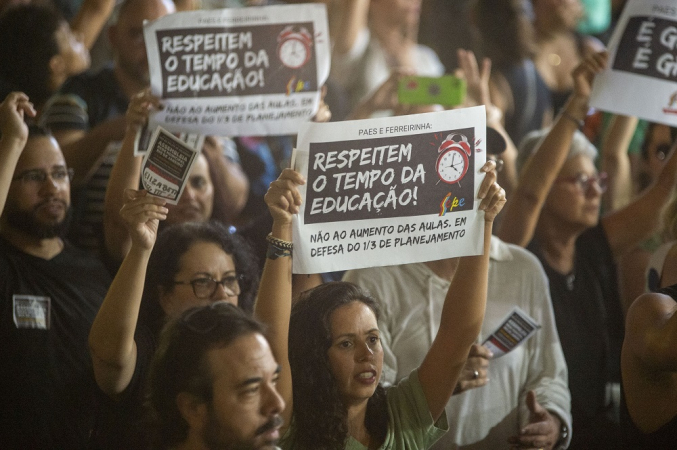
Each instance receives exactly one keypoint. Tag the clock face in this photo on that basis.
(293, 53)
(452, 164)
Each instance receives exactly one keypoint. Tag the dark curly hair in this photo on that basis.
(28, 43)
(319, 413)
(180, 364)
(172, 243)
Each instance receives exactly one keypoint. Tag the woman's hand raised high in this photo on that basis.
(283, 198)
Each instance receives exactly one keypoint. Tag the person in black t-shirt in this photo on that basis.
(555, 211)
(49, 294)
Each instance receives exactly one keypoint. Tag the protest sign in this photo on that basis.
(144, 135)
(389, 191)
(166, 166)
(640, 80)
(516, 328)
(245, 71)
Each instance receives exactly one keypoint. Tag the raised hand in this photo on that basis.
(543, 430)
(139, 107)
(283, 198)
(584, 74)
(476, 78)
(491, 193)
(475, 372)
(383, 98)
(12, 111)
(323, 112)
(142, 213)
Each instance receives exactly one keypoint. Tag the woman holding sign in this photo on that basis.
(191, 264)
(216, 188)
(329, 348)
(555, 213)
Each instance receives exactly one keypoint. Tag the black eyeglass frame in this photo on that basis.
(70, 173)
(230, 292)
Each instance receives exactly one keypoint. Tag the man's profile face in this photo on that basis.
(246, 407)
(39, 208)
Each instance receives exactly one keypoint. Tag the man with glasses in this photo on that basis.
(49, 293)
(213, 382)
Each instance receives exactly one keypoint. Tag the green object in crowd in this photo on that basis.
(446, 90)
(597, 18)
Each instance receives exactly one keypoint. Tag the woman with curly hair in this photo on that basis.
(328, 345)
(193, 264)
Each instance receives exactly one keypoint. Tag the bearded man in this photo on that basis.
(49, 294)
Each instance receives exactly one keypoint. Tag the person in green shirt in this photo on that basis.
(328, 344)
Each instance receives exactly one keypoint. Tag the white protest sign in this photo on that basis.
(515, 329)
(246, 71)
(143, 138)
(388, 191)
(166, 166)
(640, 80)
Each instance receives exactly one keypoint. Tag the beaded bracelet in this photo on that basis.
(278, 248)
(279, 243)
(275, 252)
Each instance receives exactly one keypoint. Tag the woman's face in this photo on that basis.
(203, 260)
(355, 355)
(572, 202)
(72, 50)
(197, 199)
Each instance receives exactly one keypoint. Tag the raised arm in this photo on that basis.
(651, 332)
(111, 339)
(125, 174)
(628, 226)
(522, 211)
(354, 14)
(463, 310)
(13, 137)
(273, 302)
(649, 360)
(91, 18)
(479, 93)
(616, 163)
(84, 150)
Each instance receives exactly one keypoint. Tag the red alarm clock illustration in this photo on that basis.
(294, 47)
(453, 159)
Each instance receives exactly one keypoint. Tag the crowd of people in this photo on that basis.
(131, 323)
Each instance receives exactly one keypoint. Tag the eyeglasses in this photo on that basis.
(204, 288)
(36, 177)
(584, 182)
